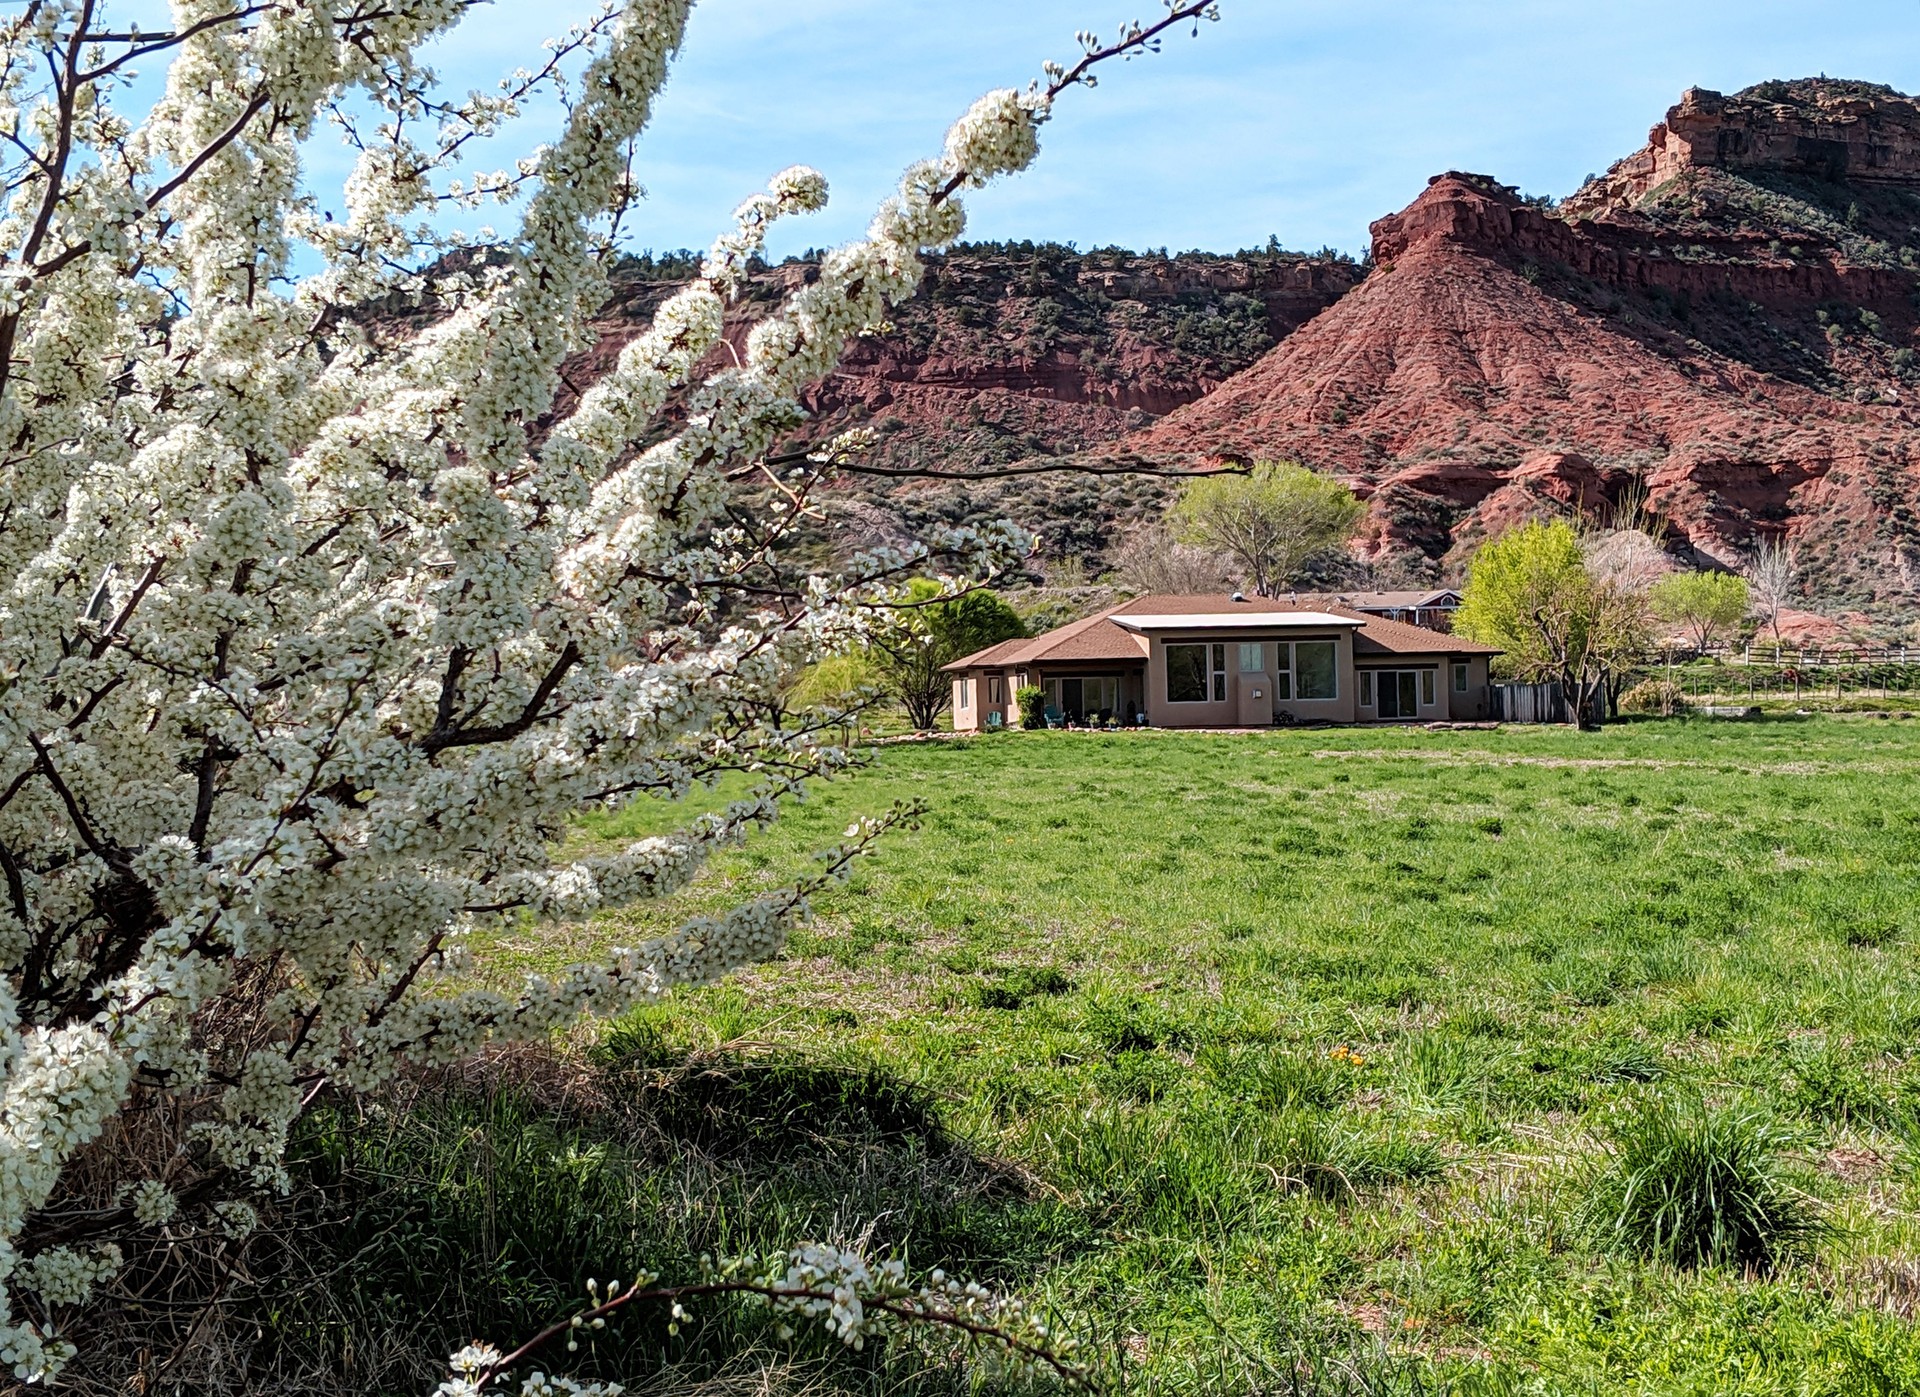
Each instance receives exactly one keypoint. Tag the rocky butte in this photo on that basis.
(1721, 329)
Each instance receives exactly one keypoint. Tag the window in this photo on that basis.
(1426, 688)
(1459, 678)
(1220, 673)
(1186, 674)
(1253, 657)
(996, 691)
(1283, 667)
(966, 693)
(1366, 688)
(1313, 664)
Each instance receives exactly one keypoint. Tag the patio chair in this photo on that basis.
(1054, 720)
(994, 720)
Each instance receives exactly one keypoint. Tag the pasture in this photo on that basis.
(1325, 1061)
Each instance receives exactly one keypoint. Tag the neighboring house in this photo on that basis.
(1218, 662)
(1433, 610)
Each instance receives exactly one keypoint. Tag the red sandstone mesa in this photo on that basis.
(1653, 333)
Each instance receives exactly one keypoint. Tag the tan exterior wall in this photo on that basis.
(1471, 706)
(973, 699)
(1241, 708)
(966, 717)
(1449, 704)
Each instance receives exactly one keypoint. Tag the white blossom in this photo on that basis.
(153, 1203)
(315, 638)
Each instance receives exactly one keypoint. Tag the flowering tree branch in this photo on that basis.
(853, 1299)
(315, 642)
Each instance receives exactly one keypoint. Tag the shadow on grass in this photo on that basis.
(479, 1206)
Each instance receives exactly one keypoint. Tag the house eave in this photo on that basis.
(1240, 621)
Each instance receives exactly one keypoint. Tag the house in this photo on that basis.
(1433, 609)
(1222, 662)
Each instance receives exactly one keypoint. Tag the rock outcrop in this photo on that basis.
(1835, 132)
(1710, 333)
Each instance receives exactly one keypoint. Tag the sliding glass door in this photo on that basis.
(1400, 693)
(1094, 698)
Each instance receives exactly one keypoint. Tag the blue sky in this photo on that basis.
(1300, 118)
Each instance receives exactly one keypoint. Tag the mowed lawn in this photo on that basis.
(1275, 1053)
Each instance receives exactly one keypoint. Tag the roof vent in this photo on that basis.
(1239, 596)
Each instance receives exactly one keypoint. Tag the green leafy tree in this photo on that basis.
(927, 634)
(1271, 522)
(1532, 593)
(1706, 605)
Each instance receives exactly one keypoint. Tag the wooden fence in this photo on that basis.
(1536, 703)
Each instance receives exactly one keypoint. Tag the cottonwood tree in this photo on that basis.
(1532, 593)
(1272, 522)
(1703, 604)
(1773, 579)
(314, 638)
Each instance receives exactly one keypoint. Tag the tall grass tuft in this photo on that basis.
(1697, 1185)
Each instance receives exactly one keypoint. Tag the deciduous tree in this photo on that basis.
(1531, 592)
(930, 630)
(1704, 604)
(1773, 578)
(1151, 558)
(1271, 522)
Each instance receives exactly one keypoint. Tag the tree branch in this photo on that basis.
(442, 738)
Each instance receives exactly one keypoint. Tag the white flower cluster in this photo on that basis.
(471, 1364)
(153, 1203)
(66, 1275)
(313, 643)
(855, 1300)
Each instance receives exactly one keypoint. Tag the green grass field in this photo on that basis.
(1316, 1061)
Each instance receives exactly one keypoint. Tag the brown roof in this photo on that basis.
(1386, 601)
(1093, 638)
(1097, 639)
(1383, 637)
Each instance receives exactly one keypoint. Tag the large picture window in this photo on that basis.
(1314, 673)
(1186, 673)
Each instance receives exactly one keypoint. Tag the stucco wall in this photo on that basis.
(972, 717)
(1472, 705)
(1164, 713)
(1447, 704)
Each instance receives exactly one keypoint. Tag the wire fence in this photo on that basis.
(1824, 676)
(1787, 655)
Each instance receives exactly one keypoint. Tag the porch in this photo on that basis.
(1094, 698)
